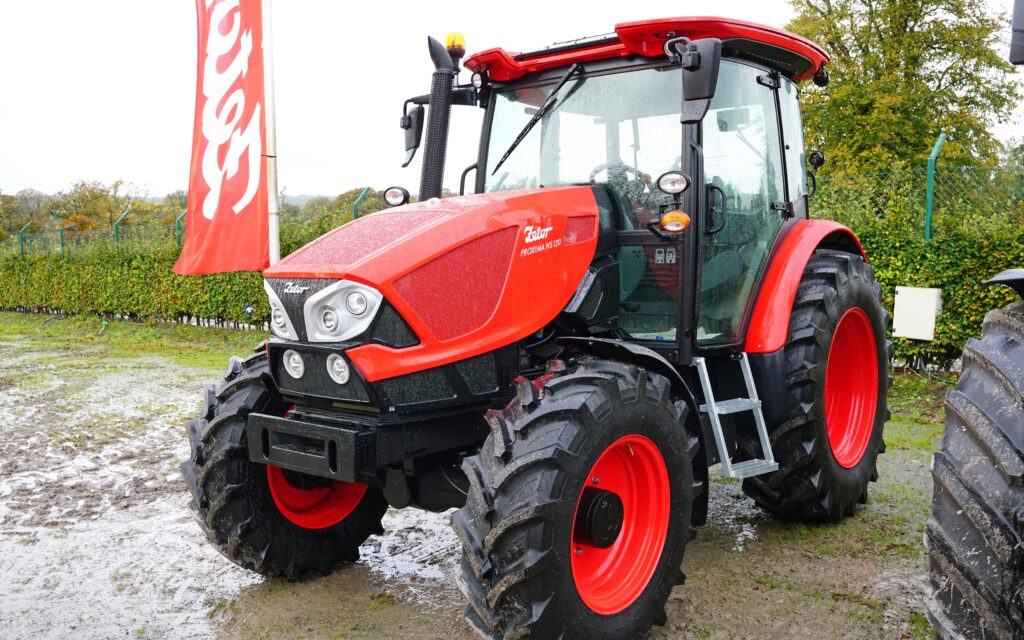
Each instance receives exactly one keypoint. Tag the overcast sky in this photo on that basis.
(105, 89)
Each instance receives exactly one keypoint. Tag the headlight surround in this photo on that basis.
(280, 323)
(354, 305)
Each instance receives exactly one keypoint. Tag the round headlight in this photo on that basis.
(337, 368)
(293, 364)
(396, 196)
(356, 303)
(477, 80)
(277, 316)
(329, 318)
(673, 182)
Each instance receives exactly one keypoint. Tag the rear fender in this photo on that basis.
(1013, 278)
(769, 323)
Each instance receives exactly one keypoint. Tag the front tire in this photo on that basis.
(262, 518)
(579, 509)
(975, 536)
(837, 379)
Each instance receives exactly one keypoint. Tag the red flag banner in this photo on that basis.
(227, 194)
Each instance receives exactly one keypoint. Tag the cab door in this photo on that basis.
(746, 197)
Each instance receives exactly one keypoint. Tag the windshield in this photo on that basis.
(612, 129)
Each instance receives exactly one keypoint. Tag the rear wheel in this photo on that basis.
(579, 509)
(264, 518)
(975, 536)
(836, 382)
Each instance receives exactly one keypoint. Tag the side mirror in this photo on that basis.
(700, 61)
(412, 123)
(816, 159)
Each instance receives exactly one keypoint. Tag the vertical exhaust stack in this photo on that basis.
(432, 174)
(1017, 33)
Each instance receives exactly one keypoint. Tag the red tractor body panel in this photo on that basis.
(646, 38)
(445, 266)
(769, 324)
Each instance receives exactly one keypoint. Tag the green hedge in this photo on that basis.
(128, 284)
(969, 245)
(886, 211)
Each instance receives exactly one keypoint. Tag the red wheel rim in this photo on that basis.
(610, 580)
(851, 388)
(317, 508)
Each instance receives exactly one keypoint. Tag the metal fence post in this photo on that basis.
(359, 200)
(930, 195)
(177, 225)
(117, 226)
(21, 238)
(62, 230)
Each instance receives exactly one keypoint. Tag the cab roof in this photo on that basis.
(792, 55)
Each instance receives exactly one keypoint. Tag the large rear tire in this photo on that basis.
(975, 536)
(579, 509)
(837, 379)
(263, 518)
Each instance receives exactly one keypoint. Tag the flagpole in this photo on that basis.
(271, 152)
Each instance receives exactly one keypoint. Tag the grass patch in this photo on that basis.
(917, 398)
(910, 435)
(186, 345)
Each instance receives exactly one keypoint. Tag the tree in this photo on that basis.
(902, 72)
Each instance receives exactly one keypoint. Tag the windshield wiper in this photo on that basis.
(544, 108)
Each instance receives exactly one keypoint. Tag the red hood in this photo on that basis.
(469, 274)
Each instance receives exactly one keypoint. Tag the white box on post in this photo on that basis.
(915, 313)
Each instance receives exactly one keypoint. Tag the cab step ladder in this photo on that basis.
(751, 403)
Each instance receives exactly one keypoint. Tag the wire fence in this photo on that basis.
(962, 195)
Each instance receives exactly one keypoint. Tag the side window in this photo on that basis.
(793, 133)
(743, 171)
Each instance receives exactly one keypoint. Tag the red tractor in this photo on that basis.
(565, 354)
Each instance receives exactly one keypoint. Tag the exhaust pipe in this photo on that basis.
(1017, 34)
(432, 174)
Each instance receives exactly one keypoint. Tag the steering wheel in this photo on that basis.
(633, 188)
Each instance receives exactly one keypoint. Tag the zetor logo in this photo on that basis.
(533, 234)
(291, 287)
(226, 107)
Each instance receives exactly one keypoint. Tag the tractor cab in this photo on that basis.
(611, 113)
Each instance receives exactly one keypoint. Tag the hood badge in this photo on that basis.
(291, 287)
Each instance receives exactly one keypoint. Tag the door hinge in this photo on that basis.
(783, 207)
(770, 80)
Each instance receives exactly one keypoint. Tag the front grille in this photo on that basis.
(315, 381)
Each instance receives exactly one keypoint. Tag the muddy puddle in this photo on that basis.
(96, 540)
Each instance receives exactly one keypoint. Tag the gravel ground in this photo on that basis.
(96, 540)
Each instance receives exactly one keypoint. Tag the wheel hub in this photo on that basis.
(598, 518)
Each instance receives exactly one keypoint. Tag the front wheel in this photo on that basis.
(579, 509)
(266, 519)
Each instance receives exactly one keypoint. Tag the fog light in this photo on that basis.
(356, 303)
(278, 317)
(293, 364)
(337, 368)
(329, 318)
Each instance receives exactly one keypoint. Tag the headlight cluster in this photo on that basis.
(295, 366)
(340, 312)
